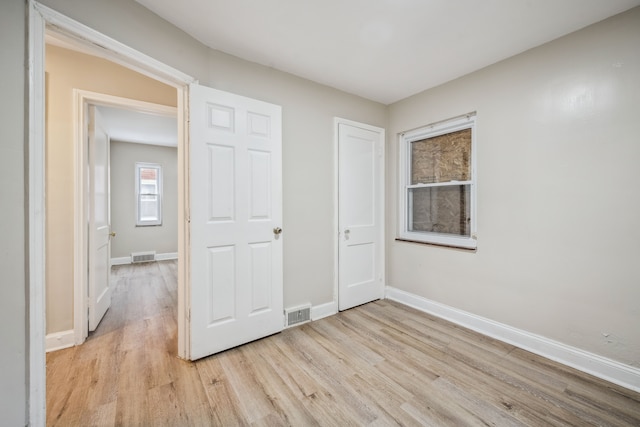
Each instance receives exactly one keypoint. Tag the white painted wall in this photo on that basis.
(129, 238)
(558, 205)
(13, 215)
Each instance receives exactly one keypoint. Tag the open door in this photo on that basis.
(99, 220)
(236, 218)
(360, 213)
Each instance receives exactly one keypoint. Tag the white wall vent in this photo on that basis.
(296, 315)
(143, 256)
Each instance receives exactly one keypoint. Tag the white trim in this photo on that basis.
(166, 256)
(39, 17)
(36, 358)
(324, 310)
(111, 49)
(184, 218)
(80, 219)
(121, 260)
(60, 340)
(159, 257)
(136, 105)
(82, 98)
(336, 214)
(593, 364)
(337, 121)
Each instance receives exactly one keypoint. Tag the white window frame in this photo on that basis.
(142, 165)
(467, 121)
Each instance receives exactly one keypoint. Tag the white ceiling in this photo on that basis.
(384, 50)
(132, 126)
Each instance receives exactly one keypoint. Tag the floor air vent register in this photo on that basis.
(294, 316)
(142, 257)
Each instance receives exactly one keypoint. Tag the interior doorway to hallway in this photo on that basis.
(136, 131)
(42, 21)
(73, 70)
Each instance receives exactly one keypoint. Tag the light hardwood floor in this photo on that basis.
(379, 364)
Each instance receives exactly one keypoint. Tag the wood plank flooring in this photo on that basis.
(380, 364)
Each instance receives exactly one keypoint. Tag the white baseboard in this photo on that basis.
(159, 257)
(324, 310)
(59, 340)
(601, 367)
(168, 255)
(121, 260)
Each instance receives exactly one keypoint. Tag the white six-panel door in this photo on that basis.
(99, 220)
(360, 214)
(236, 219)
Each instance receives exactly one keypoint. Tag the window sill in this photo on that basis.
(442, 245)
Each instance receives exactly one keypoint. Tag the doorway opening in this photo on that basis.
(110, 135)
(43, 21)
(136, 109)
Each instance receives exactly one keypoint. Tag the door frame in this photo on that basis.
(337, 121)
(42, 19)
(81, 99)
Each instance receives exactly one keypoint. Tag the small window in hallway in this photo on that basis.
(148, 194)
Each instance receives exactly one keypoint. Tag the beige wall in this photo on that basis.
(67, 70)
(13, 216)
(558, 203)
(129, 238)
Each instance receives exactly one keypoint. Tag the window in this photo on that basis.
(438, 184)
(148, 194)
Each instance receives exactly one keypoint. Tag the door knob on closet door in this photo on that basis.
(277, 231)
(112, 234)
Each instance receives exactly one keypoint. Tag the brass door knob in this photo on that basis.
(277, 230)
(112, 234)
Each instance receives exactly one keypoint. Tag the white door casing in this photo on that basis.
(360, 213)
(236, 219)
(99, 220)
(82, 98)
